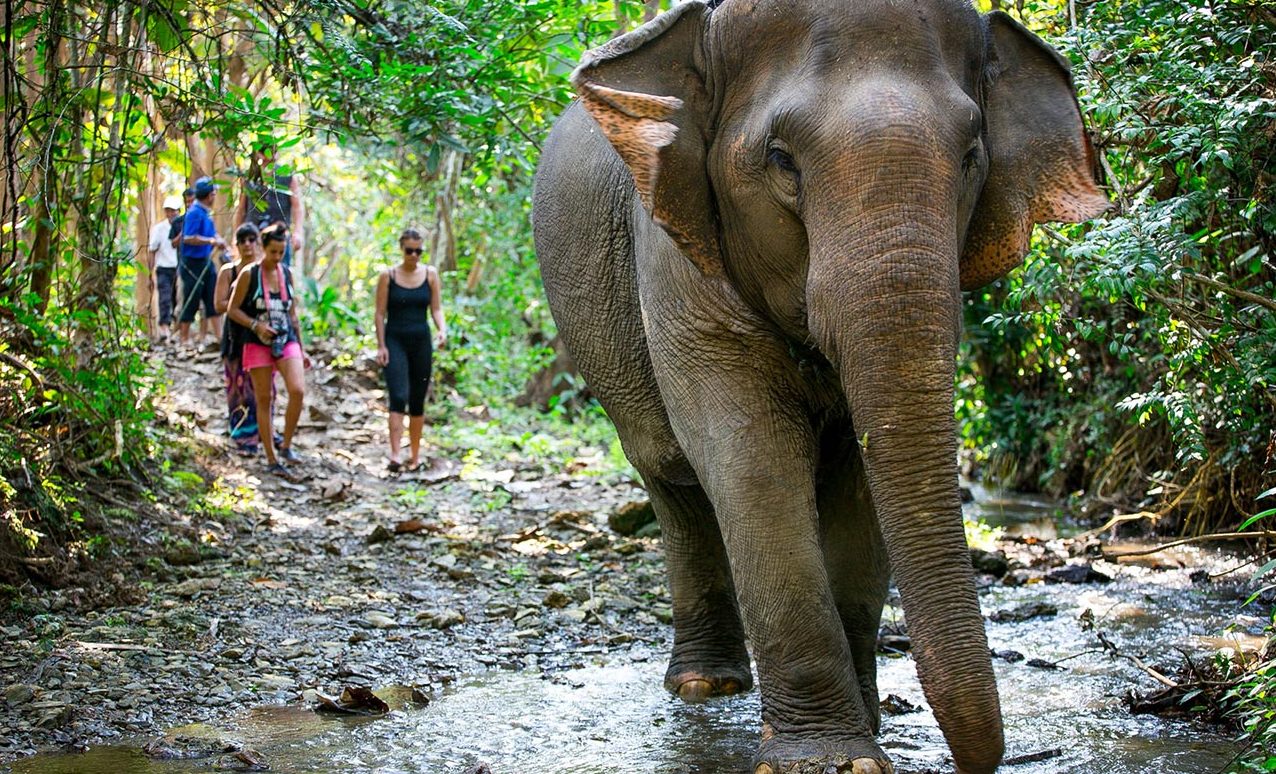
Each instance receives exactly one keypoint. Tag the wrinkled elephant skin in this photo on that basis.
(754, 228)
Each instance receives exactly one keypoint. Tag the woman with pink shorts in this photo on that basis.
(263, 302)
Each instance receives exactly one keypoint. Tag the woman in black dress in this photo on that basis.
(407, 297)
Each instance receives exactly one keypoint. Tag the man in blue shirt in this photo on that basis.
(199, 238)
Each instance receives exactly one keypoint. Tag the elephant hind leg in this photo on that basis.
(709, 657)
(855, 557)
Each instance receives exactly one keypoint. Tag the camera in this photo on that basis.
(280, 341)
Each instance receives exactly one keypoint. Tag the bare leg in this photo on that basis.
(216, 324)
(295, 381)
(415, 426)
(263, 377)
(184, 332)
(396, 435)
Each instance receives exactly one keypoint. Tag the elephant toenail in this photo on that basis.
(764, 768)
(870, 766)
(695, 690)
(731, 686)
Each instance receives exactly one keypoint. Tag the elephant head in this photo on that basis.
(849, 166)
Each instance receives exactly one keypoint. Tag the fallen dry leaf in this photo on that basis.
(409, 526)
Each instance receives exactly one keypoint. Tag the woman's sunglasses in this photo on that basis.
(413, 250)
(248, 240)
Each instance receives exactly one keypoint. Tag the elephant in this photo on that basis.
(754, 226)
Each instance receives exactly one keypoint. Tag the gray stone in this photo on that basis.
(631, 517)
(19, 693)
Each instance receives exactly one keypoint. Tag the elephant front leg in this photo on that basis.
(709, 657)
(760, 477)
(855, 558)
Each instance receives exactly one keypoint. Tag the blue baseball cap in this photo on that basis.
(203, 187)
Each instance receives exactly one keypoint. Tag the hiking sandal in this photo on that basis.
(283, 472)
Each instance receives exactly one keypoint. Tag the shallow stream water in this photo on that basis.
(612, 715)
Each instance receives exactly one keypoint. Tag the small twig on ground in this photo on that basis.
(1037, 757)
(1200, 539)
(1115, 520)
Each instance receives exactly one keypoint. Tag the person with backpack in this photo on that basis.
(199, 239)
(270, 194)
(263, 302)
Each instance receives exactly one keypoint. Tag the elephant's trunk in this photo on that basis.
(884, 305)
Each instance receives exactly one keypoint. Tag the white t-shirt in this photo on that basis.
(165, 253)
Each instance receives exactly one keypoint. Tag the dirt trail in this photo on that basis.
(503, 562)
(288, 587)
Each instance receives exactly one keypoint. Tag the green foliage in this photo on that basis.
(1132, 359)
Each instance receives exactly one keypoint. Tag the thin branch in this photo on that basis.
(1217, 536)
(1244, 295)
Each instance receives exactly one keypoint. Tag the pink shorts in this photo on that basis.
(258, 355)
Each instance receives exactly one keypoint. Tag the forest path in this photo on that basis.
(492, 584)
(350, 576)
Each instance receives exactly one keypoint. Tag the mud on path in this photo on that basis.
(497, 564)
(493, 585)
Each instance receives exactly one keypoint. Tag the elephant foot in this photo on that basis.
(825, 756)
(694, 687)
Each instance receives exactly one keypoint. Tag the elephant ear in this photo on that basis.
(647, 93)
(1041, 165)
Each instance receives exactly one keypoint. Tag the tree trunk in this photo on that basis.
(42, 247)
(475, 278)
(443, 236)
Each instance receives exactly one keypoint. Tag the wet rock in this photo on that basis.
(379, 620)
(1077, 573)
(190, 588)
(380, 535)
(967, 496)
(1040, 663)
(629, 548)
(898, 705)
(556, 600)
(242, 760)
(19, 693)
(631, 517)
(51, 714)
(1021, 578)
(440, 619)
(275, 682)
(992, 563)
(894, 643)
(595, 543)
(354, 700)
(182, 748)
(1199, 577)
(1009, 656)
(183, 556)
(1025, 612)
(400, 697)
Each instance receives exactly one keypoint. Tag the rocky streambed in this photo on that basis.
(514, 615)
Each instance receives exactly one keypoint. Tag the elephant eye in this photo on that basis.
(782, 160)
(971, 160)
